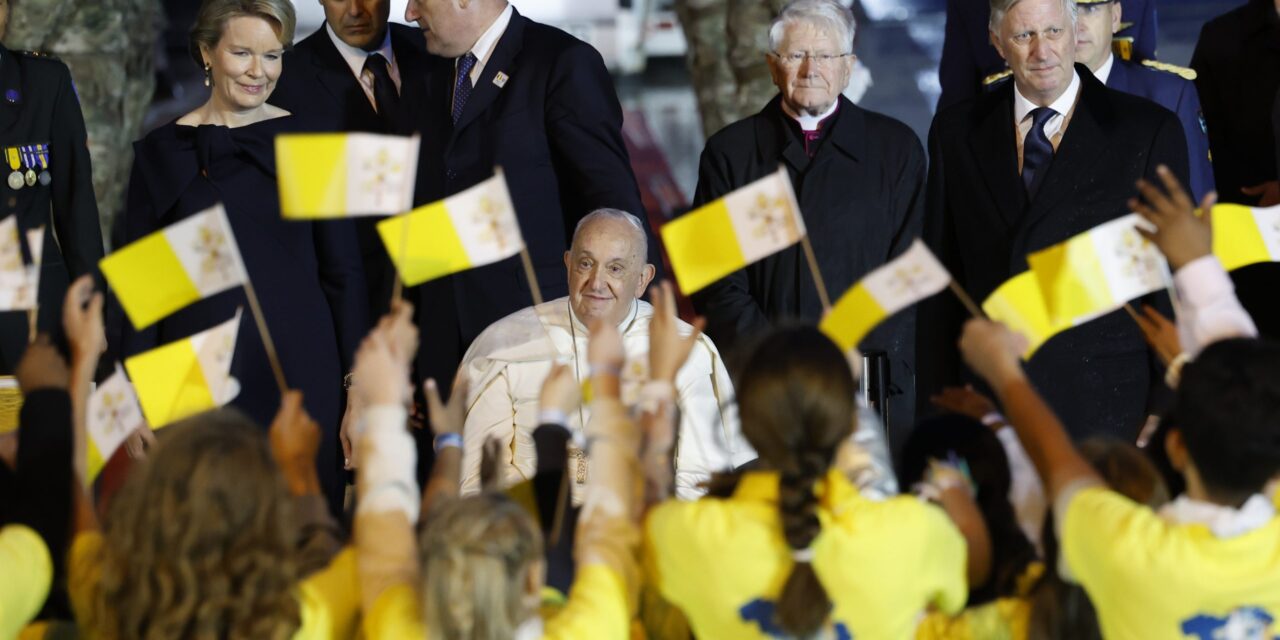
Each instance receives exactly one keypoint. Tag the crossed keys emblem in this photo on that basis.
(112, 413)
(908, 280)
(215, 257)
(492, 217)
(773, 219)
(381, 168)
(1135, 258)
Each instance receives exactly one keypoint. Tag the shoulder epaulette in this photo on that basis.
(38, 54)
(996, 77)
(1187, 74)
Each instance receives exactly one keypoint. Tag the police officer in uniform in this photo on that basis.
(46, 180)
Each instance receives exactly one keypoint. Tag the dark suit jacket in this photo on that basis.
(318, 84)
(968, 57)
(38, 104)
(1098, 376)
(1178, 95)
(862, 196)
(555, 128)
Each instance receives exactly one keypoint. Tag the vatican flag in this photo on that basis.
(1019, 304)
(113, 415)
(186, 377)
(336, 175)
(1098, 271)
(902, 282)
(19, 282)
(728, 234)
(1245, 235)
(467, 230)
(167, 270)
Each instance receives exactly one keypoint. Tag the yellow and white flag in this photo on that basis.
(19, 282)
(113, 415)
(1245, 235)
(186, 377)
(1019, 304)
(167, 270)
(728, 234)
(1098, 271)
(336, 175)
(467, 230)
(900, 283)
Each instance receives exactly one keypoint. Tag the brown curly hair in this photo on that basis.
(198, 543)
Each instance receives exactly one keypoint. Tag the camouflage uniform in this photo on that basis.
(109, 45)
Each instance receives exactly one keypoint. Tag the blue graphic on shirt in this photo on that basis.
(760, 611)
(1245, 623)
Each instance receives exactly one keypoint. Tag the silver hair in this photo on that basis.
(1000, 7)
(616, 214)
(828, 15)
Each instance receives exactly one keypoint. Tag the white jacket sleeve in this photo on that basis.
(1208, 310)
(709, 437)
(492, 415)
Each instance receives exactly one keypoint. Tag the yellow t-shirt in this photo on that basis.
(328, 600)
(25, 576)
(1151, 579)
(723, 562)
(597, 609)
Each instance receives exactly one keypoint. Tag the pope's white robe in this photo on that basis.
(508, 362)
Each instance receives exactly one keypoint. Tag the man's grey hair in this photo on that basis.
(1000, 7)
(825, 15)
(642, 238)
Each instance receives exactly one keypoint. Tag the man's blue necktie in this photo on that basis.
(1037, 151)
(462, 86)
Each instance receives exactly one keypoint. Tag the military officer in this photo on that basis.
(1167, 85)
(46, 181)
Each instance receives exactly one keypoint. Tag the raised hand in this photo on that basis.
(993, 351)
(668, 350)
(964, 401)
(1159, 332)
(1180, 234)
(446, 417)
(295, 439)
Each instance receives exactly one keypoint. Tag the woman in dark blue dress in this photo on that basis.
(307, 275)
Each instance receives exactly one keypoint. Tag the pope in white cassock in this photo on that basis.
(508, 362)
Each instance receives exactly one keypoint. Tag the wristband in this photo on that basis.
(594, 370)
(446, 440)
(992, 419)
(553, 416)
(1173, 374)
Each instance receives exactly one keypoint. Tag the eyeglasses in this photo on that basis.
(821, 59)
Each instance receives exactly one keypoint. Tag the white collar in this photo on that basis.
(530, 629)
(623, 325)
(355, 56)
(1222, 521)
(489, 39)
(1104, 71)
(810, 123)
(1022, 106)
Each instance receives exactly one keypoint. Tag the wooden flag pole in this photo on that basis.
(31, 323)
(817, 275)
(397, 289)
(528, 272)
(974, 309)
(266, 335)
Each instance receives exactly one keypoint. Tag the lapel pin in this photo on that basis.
(501, 79)
(11, 95)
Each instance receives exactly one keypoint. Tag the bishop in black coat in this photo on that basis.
(1097, 377)
(862, 198)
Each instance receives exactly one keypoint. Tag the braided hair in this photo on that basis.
(796, 397)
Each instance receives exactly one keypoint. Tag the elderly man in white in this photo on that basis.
(506, 365)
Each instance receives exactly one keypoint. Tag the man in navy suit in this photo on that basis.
(1051, 154)
(509, 92)
(347, 76)
(968, 57)
(1164, 84)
